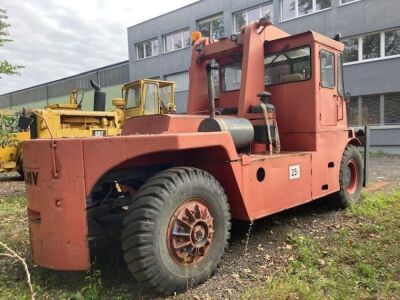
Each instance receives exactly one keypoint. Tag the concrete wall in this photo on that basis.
(385, 139)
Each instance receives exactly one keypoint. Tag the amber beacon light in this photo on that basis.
(196, 35)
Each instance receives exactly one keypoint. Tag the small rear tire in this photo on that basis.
(176, 230)
(20, 168)
(350, 177)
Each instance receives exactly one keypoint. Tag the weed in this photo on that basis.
(93, 289)
(360, 260)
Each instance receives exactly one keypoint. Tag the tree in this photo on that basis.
(7, 129)
(7, 138)
(6, 67)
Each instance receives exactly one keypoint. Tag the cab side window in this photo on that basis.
(327, 69)
(133, 97)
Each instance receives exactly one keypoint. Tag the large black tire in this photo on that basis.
(350, 177)
(151, 228)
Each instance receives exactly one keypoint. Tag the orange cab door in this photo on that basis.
(328, 95)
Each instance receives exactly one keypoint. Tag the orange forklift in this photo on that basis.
(169, 186)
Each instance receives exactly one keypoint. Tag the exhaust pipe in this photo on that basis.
(211, 101)
(99, 102)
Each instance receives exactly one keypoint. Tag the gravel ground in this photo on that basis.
(258, 250)
(11, 184)
(384, 168)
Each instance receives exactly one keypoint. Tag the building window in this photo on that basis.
(243, 18)
(372, 46)
(327, 69)
(296, 8)
(212, 27)
(371, 110)
(181, 80)
(392, 42)
(147, 49)
(347, 1)
(350, 53)
(176, 41)
(352, 111)
(392, 109)
(374, 110)
(231, 76)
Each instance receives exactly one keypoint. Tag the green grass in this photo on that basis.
(106, 280)
(359, 261)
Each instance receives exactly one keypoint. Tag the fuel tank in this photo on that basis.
(241, 129)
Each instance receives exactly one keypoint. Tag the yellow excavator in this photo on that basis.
(66, 120)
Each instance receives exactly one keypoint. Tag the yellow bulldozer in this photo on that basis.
(11, 138)
(66, 120)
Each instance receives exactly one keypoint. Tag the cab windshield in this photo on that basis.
(283, 67)
(288, 66)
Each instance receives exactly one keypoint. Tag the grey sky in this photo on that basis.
(55, 39)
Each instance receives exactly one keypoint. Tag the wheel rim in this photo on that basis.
(351, 181)
(190, 232)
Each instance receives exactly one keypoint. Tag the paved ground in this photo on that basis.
(256, 250)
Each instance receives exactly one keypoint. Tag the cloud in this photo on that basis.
(55, 39)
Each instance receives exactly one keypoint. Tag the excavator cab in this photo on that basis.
(148, 97)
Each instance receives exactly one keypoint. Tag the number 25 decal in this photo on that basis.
(294, 172)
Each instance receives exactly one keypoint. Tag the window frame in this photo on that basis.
(311, 65)
(379, 42)
(140, 88)
(296, 10)
(351, 2)
(334, 69)
(385, 106)
(382, 55)
(383, 43)
(210, 20)
(358, 49)
(259, 7)
(222, 77)
(144, 48)
(181, 32)
(185, 75)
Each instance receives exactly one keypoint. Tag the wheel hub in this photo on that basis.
(351, 178)
(190, 232)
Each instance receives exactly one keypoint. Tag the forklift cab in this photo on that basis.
(148, 97)
(303, 73)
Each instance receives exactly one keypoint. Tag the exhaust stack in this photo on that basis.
(99, 102)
